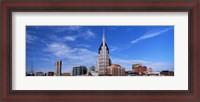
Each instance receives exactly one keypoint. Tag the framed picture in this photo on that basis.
(100, 50)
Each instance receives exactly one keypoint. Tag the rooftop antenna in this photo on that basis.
(104, 39)
(103, 30)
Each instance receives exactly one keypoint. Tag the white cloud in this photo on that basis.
(89, 34)
(114, 48)
(77, 31)
(74, 56)
(83, 45)
(60, 50)
(67, 28)
(150, 35)
(30, 38)
(70, 38)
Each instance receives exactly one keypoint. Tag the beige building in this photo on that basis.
(58, 68)
(115, 70)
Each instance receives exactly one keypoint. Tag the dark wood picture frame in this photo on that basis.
(190, 6)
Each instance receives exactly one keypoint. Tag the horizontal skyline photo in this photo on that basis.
(100, 50)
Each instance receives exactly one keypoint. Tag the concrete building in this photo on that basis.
(50, 74)
(127, 73)
(167, 73)
(103, 57)
(152, 74)
(149, 70)
(122, 71)
(138, 68)
(39, 74)
(115, 70)
(58, 68)
(95, 73)
(79, 70)
(91, 69)
(66, 74)
(144, 68)
(30, 74)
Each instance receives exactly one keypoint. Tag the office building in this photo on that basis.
(30, 74)
(103, 57)
(144, 68)
(167, 73)
(149, 70)
(39, 74)
(79, 70)
(58, 68)
(115, 70)
(50, 74)
(128, 73)
(152, 74)
(95, 73)
(91, 69)
(138, 68)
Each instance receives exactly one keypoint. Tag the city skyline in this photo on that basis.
(152, 46)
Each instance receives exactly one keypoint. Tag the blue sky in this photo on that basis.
(152, 46)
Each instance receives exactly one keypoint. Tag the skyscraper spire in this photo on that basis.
(104, 31)
(103, 38)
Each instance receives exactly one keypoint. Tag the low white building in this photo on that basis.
(94, 73)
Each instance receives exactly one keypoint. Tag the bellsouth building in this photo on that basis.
(103, 57)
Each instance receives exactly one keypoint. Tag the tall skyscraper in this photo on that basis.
(103, 57)
(58, 68)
